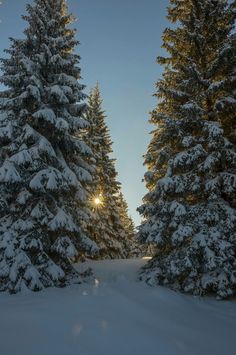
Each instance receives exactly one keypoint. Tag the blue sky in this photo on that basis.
(120, 41)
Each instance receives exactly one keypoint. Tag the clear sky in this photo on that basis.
(120, 40)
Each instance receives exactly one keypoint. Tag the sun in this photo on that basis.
(97, 201)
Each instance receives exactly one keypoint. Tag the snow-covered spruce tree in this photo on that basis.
(188, 211)
(105, 225)
(130, 242)
(40, 157)
(224, 88)
(132, 246)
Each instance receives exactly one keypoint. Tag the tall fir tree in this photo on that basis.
(105, 227)
(188, 212)
(224, 87)
(132, 245)
(41, 169)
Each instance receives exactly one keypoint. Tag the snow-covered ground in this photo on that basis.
(115, 316)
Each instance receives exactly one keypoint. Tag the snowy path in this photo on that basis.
(115, 316)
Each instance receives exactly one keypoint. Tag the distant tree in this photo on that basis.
(132, 246)
(106, 225)
(189, 212)
(41, 169)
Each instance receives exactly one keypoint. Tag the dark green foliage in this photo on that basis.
(189, 211)
(41, 169)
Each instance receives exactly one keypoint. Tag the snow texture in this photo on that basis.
(189, 212)
(42, 171)
(116, 316)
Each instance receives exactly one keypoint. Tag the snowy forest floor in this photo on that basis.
(115, 316)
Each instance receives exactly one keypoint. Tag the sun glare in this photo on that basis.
(97, 201)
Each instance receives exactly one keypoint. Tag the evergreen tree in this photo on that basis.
(132, 246)
(224, 88)
(188, 211)
(41, 169)
(105, 226)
